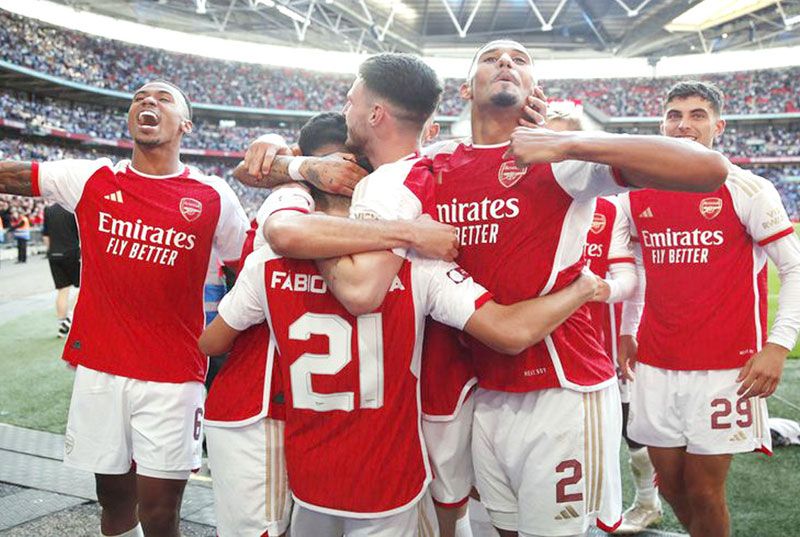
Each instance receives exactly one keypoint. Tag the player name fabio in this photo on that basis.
(143, 242)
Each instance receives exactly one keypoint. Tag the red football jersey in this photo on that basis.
(146, 242)
(249, 387)
(522, 232)
(705, 302)
(353, 440)
(607, 244)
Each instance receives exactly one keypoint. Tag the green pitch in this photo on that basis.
(35, 389)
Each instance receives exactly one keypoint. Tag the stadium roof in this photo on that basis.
(555, 28)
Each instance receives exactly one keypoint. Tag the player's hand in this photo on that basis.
(762, 372)
(261, 154)
(626, 356)
(534, 113)
(537, 145)
(338, 173)
(588, 285)
(603, 291)
(433, 239)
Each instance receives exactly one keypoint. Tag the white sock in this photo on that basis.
(133, 532)
(644, 478)
(463, 526)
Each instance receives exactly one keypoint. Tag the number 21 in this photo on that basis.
(340, 336)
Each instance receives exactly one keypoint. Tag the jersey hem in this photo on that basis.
(234, 424)
(466, 391)
(365, 515)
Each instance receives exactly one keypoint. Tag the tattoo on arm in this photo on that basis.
(15, 178)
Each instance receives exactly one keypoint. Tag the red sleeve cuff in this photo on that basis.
(776, 236)
(35, 179)
(621, 260)
(483, 299)
(297, 209)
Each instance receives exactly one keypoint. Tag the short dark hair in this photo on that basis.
(170, 84)
(695, 88)
(405, 81)
(321, 130)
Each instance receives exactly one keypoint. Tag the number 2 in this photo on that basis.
(340, 335)
(561, 486)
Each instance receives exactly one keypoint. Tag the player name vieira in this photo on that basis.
(487, 209)
(671, 238)
(163, 243)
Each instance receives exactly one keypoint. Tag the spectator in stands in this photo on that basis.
(22, 233)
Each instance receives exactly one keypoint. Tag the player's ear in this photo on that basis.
(377, 114)
(661, 128)
(719, 128)
(466, 91)
(187, 126)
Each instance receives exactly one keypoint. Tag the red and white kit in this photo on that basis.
(609, 255)
(522, 231)
(347, 389)
(697, 250)
(147, 242)
(245, 413)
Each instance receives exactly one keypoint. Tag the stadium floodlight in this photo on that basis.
(201, 7)
(268, 3)
(292, 14)
(710, 13)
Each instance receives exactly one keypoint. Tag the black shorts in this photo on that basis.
(66, 270)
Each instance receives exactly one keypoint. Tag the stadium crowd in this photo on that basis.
(115, 65)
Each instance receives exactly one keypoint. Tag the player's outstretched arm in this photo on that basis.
(512, 329)
(658, 162)
(217, 338)
(15, 178)
(337, 173)
(318, 236)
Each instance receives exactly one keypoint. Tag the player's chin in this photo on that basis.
(147, 140)
(506, 97)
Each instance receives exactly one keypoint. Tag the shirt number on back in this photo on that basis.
(340, 336)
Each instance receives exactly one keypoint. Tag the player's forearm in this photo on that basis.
(785, 253)
(271, 180)
(319, 236)
(512, 329)
(653, 161)
(15, 178)
(217, 338)
(360, 282)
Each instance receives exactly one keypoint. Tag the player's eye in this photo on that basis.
(490, 59)
(520, 61)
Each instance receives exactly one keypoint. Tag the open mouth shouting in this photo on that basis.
(147, 121)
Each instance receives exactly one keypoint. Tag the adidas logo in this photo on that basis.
(567, 513)
(740, 436)
(114, 196)
(647, 213)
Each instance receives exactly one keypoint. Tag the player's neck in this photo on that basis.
(391, 150)
(160, 160)
(493, 125)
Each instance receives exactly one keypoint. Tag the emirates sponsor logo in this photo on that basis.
(710, 208)
(191, 209)
(670, 238)
(598, 223)
(510, 174)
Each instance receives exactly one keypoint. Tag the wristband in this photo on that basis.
(294, 168)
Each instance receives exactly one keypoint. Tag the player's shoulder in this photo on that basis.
(258, 258)
(443, 147)
(400, 171)
(746, 184)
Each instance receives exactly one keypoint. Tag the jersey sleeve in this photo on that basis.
(282, 199)
(245, 304)
(586, 180)
(786, 256)
(619, 250)
(450, 294)
(232, 225)
(62, 181)
(758, 206)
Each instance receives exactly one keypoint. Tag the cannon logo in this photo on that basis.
(191, 209)
(509, 174)
(598, 223)
(711, 207)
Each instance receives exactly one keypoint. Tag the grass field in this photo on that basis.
(35, 389)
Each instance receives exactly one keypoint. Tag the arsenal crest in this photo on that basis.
(711, 207)
(598, 223)
(509, 174)
(190, 209)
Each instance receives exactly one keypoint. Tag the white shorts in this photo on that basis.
(698, 410)
(251, 490)
(418, 521)
(547, 462)
(114, 421)
(450, 452)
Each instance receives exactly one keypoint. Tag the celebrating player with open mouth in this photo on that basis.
(147, 228)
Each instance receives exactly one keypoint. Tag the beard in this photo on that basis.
(151, 142)
(504, 99)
